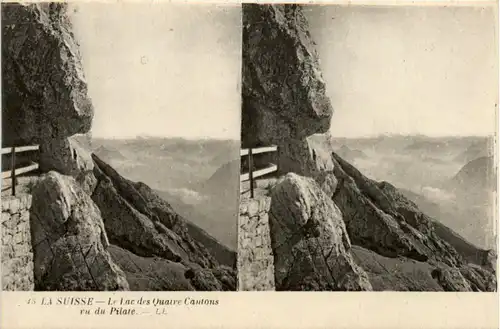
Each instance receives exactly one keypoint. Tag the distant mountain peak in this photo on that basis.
(108, 153)
(478, 173)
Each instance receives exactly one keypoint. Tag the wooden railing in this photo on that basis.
(252, 175)
(14, 172)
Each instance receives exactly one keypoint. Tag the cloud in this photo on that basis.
(437, 194)
(188, 196)
(126, 163)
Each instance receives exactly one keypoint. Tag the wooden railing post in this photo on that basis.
(253, 174)
(278, 159)
(13, 169)
(250, 171)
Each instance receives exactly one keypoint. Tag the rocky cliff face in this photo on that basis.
(313, 224)
(139, 221)
(91, 229)
(283, 94)
(44, 89)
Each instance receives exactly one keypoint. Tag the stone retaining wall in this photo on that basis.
(17, 253)
(255, 256)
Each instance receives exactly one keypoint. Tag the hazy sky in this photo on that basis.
(162, 69)
(408, 70)
(174, 69)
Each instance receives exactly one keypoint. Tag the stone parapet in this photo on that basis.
(255, 257)
(17, 252)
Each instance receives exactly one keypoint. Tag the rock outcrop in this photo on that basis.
(139, 221)
(283, 92)
(45, 99)
(394, 245)
(43, 86)
(69, 239)
(380, 218)
(150, 273)
(68, 157)
(118, 235)
(398, 246)
(65, 156)
(309, 240)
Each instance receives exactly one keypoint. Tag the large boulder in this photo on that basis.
(43, 85)
(311, 247)
(69, 239)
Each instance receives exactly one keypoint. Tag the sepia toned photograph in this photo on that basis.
(367, 148)
(181, 161)
(120, 146)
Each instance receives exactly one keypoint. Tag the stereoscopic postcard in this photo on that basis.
(249, 165)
